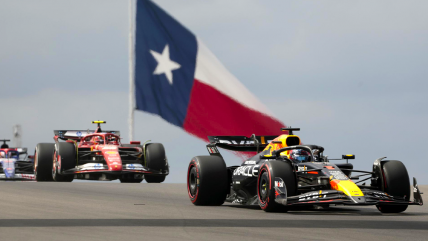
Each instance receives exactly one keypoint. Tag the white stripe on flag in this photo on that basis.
(210, 71)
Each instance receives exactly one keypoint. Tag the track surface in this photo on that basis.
(115, 211)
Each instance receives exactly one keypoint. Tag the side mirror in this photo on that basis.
(22, 150)
(348, 156)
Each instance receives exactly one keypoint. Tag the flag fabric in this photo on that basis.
(178, 78)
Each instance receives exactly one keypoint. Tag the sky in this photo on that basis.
(352, 75)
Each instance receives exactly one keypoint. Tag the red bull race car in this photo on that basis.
(99, 155)
(15, 164)
(287, 174)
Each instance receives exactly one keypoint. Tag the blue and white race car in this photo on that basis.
(15, 164)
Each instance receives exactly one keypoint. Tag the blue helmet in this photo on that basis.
(300, 156)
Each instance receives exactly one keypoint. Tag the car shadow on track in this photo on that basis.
(333, 211)
(231, 223)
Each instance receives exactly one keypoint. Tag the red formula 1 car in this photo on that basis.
(99, 155)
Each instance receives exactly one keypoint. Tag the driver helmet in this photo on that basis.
(300, 156)
(98, 140)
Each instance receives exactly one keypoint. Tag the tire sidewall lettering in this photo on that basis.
(192, 164)
(264, 168)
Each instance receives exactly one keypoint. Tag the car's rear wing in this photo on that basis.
(239, 143)
(77, 134)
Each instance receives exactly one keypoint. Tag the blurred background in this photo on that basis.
(352, 75)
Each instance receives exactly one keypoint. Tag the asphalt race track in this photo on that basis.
(115, 211)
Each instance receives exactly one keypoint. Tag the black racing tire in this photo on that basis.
(396, 183)
(207, 181)
(266, 184)
(155, 160)
(67, 152)
(154, 179)
(129, 178)
(43, 162)
(155, 157)
(124, 180)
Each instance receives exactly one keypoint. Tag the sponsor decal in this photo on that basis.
(112, 152)
(79, 133)
(248, 171)
(232, 142)
(109, 148)
(28, 176)
(338, 175)
(92, 166)
(309, 196)
(241, 142)
(280, 191)
(250, 162)
(212, 149)
(304, 168)
(136, 166)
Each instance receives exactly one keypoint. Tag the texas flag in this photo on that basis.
(178, 78)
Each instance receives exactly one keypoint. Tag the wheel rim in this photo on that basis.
(192, 182)
(54, 170)
(263, 188)
(35, 163)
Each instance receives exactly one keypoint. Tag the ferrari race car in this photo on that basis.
(99, 155)
(15, 164)
(287, 173)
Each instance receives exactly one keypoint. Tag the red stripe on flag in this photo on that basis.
(211, 113)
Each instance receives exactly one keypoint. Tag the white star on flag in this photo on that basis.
(165, 64)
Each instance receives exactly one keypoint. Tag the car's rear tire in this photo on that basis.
(67, 152)
(266, 184)
(155, 160)
(396, 183)
(43, 162)
(207, 181)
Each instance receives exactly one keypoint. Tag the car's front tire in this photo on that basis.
(67, 152)
(43, 162)
(396, 183)
(266, 184)
(155, 159)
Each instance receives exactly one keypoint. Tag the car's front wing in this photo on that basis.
(18, 177)
(371, 197)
